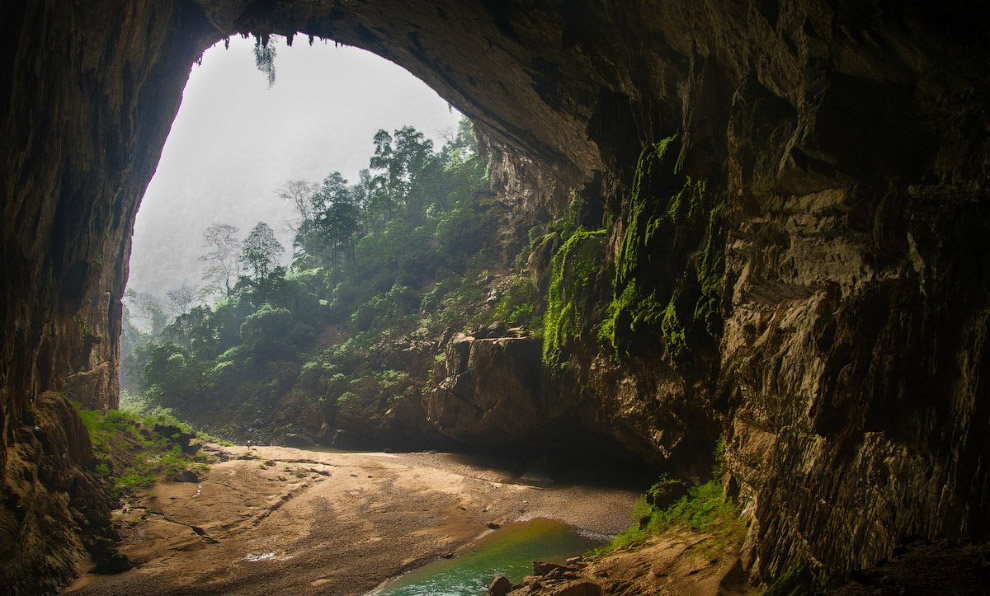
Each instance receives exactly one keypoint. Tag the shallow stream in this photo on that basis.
(508, 551)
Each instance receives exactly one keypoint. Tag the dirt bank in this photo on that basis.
(275, 520)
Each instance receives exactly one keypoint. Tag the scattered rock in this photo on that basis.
(185, 476)
(491, 392)
(493, 526)
(543, 568)
(448, 555)
(108, 559)
(176, 436)
(665, 494)
(496, 329)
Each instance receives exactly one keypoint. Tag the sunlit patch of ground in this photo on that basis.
(275, 520)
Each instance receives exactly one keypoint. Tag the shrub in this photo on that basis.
(346, 397)
(518, 305)
(705, 510)
(265, 332)
(134, 452)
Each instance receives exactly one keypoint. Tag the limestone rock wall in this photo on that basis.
(82, 129)
(854, 370)
(847, 140)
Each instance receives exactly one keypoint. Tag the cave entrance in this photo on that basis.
(383, 241)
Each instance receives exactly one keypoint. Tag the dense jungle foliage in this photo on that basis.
(395, 253)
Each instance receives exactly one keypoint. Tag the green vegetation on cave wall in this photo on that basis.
(668, 271)
(669, 268)
(571, 296)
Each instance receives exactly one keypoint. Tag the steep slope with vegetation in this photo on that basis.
(333, 345)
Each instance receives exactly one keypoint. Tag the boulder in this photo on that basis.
(500, 586)
(185, 476)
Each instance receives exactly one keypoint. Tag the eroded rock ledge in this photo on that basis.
(846, 141)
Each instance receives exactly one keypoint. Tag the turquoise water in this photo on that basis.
(509, 551)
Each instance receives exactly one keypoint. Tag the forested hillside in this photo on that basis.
(381, 268)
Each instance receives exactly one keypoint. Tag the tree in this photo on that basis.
(361, 193)
(337, 220)
(149, 309)
(172, 377)
(223, 260)
(398, 159)
(260, 251)
(382, 185)
(334, 222)
(299, 193)
(267, 333)
(180, 298)
(413, 153)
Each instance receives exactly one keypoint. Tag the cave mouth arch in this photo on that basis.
(190, 181)
(767, 95)
(499, 138)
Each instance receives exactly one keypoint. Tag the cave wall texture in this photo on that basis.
(846, 141)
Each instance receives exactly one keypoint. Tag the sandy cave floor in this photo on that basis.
(276, 520)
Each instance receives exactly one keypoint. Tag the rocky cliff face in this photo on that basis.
(821, 300)
(82, 130)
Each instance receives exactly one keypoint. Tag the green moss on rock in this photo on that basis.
(570, 298)
(669, 268)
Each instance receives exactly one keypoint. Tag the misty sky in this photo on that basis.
(235, 142)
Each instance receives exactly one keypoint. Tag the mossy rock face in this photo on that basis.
(670, 264)
(571, 296)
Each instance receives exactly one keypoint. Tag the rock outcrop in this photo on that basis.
(841, 344)
(680, 563)
(492, 394)
(60, 510)
(82, 130)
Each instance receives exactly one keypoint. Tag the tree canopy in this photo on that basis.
(260, 251)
